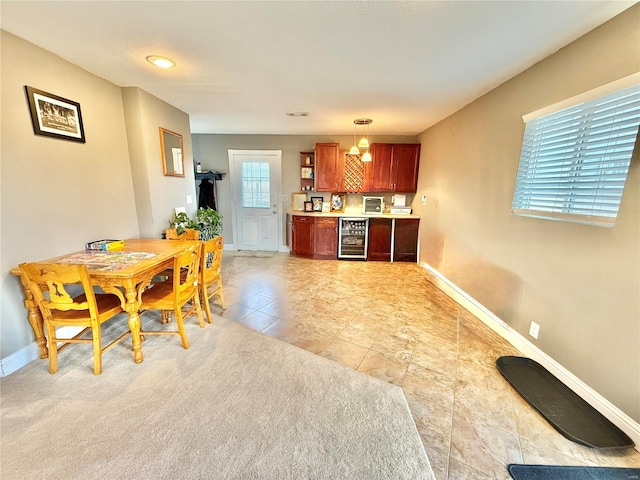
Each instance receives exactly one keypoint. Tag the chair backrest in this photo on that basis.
(53, 279)
(188, 264)
(188, 234)
(211, 259)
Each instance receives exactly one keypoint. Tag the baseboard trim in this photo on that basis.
(18, 359)
(29, 353)
(597, 401)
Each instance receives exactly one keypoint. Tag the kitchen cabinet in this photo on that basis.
(405, 240)
(325, 238)
(394, 168)
(328, 167)
(380, 239)
(302, 236)
(353, 173)
(307, 171)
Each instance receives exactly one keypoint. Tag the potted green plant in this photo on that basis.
(206, 224)
(209, 218)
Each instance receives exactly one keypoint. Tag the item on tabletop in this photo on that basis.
(105, 245)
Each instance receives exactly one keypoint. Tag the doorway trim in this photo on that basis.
(236, 196)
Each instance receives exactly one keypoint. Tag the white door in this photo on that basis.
(255, 180)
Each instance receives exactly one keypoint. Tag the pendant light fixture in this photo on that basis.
(364, 142)
(354, 150)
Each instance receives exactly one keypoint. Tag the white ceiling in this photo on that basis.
(242, 65)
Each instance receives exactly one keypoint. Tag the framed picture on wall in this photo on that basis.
(54, 116)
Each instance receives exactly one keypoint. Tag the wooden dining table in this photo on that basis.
(124, 273)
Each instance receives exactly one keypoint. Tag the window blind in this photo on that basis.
(574, 162)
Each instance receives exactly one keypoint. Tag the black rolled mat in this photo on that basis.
(567, 412)
(549, 472)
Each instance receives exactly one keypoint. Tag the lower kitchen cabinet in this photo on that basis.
(302, 236)
(405, 240)
(380, 239)
(389, 239)
(325, 238)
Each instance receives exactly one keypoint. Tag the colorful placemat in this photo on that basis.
(106, 261)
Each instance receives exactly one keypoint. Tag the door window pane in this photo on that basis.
(255, 185)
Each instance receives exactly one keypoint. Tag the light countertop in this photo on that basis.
(352, 213)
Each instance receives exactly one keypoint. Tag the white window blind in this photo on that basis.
(574, 161)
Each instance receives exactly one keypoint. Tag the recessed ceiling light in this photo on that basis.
(297, 114)
(162, 62)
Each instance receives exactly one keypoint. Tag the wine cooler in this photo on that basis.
(353, 238)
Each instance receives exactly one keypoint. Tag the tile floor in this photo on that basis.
(388, 321)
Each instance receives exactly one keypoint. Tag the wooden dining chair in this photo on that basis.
(210, 278)
(50, 285)
(178, 291)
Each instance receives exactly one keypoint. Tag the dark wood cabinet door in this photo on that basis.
(406, 159)
(328, 167)
(302, 236)
(379, 171)
(379, 240)
(325, 238)
(405, 240)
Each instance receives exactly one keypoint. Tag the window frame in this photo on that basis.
(582, 175)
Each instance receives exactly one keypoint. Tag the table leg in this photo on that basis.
(132, 307)
(35, 319)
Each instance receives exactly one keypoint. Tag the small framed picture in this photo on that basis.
(306, 172)
(297, 201)
(317, 203)
(308, 206)
(337, 202)
(326, 207)
(55, 116)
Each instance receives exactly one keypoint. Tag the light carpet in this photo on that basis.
(236, 405)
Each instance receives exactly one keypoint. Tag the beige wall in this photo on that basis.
(156, 195)
(580, 283)
(211, 152)
(56, 194)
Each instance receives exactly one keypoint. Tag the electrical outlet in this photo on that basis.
(424, 199)
(534, 330)
(189, 200)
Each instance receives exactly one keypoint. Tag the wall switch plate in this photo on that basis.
(424, 199)
(189, 200)
(534, 330)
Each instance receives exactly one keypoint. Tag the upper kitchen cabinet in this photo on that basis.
(353, 178)
(329, 167)
(394, 168)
